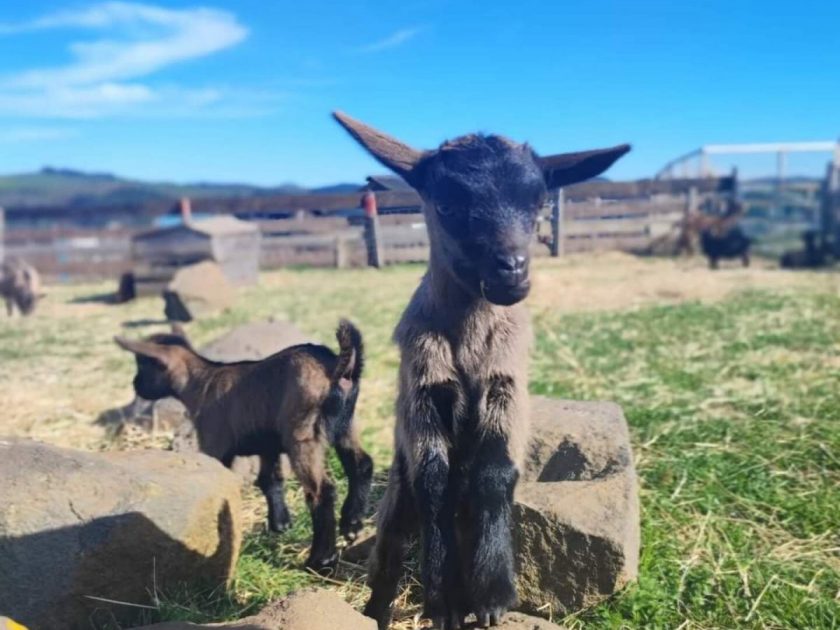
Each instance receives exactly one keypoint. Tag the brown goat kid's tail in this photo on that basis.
(340, 404)
(350, 355)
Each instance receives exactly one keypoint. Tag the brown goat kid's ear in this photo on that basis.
(397, 156)
(146, 349)
(564, 169)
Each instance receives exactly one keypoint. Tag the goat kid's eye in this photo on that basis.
(445, 211)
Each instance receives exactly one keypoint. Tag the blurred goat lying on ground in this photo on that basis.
(297, 402)
(20, 286)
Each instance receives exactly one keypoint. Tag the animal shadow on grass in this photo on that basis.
(95, 298)
(142, 323)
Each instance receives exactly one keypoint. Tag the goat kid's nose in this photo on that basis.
(511, 264)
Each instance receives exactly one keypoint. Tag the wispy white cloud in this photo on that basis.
(36, 134)
(103, 76)
(397, 38)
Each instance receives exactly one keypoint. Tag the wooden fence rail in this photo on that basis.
(589, 216)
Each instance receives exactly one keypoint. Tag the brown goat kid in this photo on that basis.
(462, 416)
(295, 402)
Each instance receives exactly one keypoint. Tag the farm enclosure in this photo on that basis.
(728, 381)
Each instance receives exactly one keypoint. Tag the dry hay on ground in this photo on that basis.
(614, 281)
(73, 371)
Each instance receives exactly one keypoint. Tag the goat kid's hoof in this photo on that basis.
(453, 621)
(488, 618)
(350, 531)
(380, 616)
(323, 566)
(280, 525)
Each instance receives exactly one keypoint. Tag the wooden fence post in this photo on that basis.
(372, 231)
(185, 208)
(691, 200)
(557, 224)
(340, 252)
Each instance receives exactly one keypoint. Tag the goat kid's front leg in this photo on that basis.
(307, 458)
(442, 592)
(492, 576)
(358, 466)
(270, 481)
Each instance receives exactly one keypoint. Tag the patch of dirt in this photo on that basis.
(614, 281)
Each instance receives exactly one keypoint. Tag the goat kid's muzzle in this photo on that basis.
(505, 280)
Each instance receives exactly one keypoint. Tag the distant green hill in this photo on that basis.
(65, 187)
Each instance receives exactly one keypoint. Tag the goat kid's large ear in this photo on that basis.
(145, 348)
(564, 169)
(397, 156)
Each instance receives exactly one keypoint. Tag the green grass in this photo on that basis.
(734, 414)
(734, 409)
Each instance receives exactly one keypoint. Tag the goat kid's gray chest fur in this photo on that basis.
(474, 368)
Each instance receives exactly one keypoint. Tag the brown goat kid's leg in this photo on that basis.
(396, 521)
(358, 466)
(307, 458)
(270, 481)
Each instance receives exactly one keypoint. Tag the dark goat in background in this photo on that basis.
(295, 402)
(462, 416)
(722, 237)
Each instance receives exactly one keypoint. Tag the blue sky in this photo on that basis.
(241, 91)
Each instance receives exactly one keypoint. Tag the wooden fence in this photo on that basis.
(584, 217)
(72, 254)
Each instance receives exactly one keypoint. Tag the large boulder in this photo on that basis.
(253, 341)
(576, 507)
(81, 530)
(308, 609)
(197, 290)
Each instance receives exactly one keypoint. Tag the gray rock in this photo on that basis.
(165, 414)
(197, 290)
(308, 609)
(253, 341)
(576, 508)
(78, 528)
(521, 621)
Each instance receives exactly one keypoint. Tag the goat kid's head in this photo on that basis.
(482, 195)
(162, 363)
